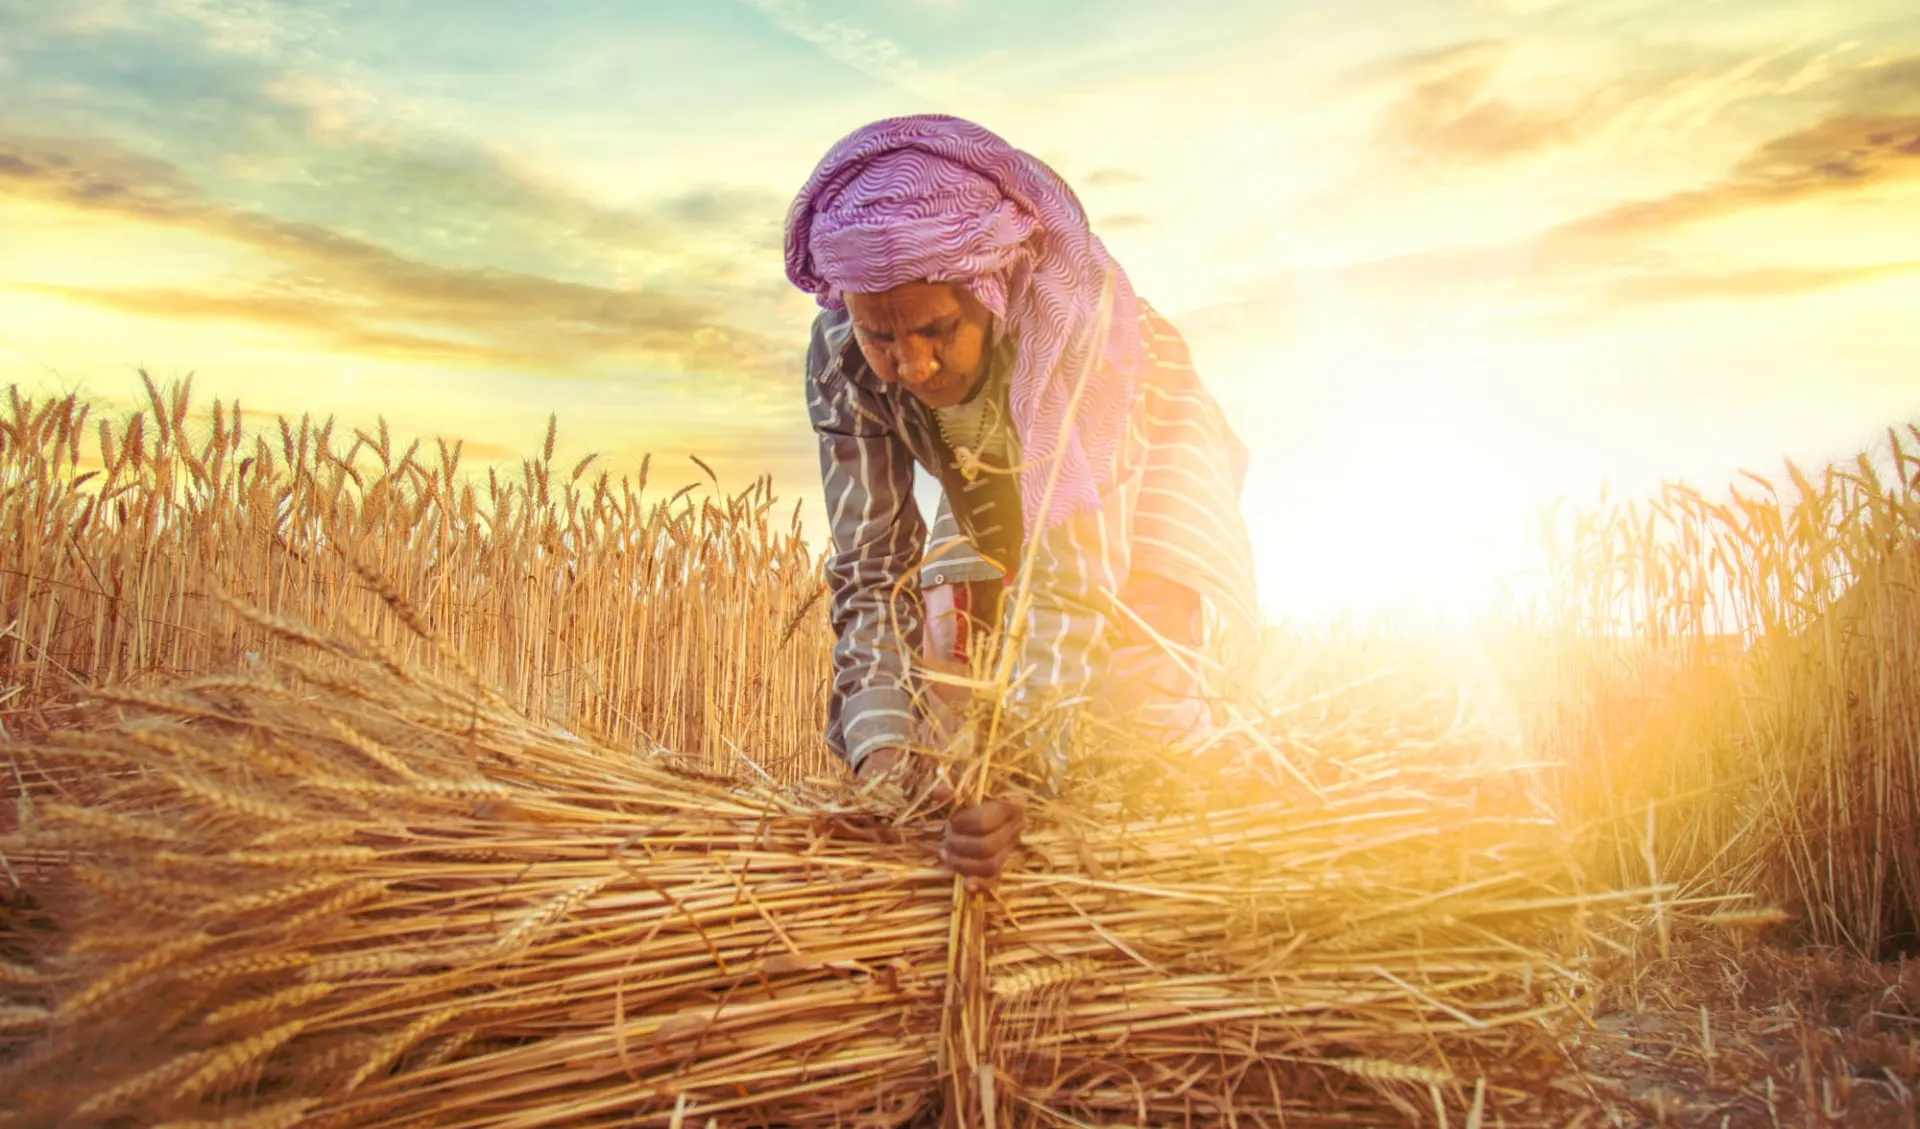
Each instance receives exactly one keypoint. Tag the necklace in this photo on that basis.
(975, 428)
(953, 424)
(969, 428)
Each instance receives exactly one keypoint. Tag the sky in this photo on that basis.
(1441, 261)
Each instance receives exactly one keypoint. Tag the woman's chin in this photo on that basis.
(946, 395)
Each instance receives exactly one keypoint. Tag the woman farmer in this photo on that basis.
(961, 292)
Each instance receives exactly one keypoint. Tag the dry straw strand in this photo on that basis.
(137, 1089)
(123, 977)
(286, 999)
(391, 1050)
(349, 898)
(19, 1017)
(554, 910)
(246, 904)
(1038, 978)
(216, 1066)
(1382, 1070)
(247, 964)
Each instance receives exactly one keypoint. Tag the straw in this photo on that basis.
(380, 900)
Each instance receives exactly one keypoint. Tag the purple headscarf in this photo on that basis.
(940, 199)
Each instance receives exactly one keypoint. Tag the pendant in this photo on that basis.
(967, 463)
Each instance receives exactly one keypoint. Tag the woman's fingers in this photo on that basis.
(984, 850)
(979, 840)
(986, 818)
(880, 762)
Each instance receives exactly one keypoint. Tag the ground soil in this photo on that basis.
(1728, 1032)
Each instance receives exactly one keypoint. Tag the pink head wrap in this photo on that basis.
(939, 199)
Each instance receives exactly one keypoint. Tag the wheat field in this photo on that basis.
(305, 695)
(1737, 690)
(1728, 684)
(686, 621)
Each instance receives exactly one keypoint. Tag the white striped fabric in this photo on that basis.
(937, 198)
(1170, 508)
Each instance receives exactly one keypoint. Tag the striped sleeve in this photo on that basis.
(1188, 525)
(1171, 510)
(1078, 568)
(877, 539)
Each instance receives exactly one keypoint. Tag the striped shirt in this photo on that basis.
(1171, 508)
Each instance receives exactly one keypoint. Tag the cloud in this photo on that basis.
(873, 55)
(360, 296)
(1424, 65)
(1579, 307)
(1451, 113)
(317, 136)
(385, 229)
(318, 319)
(1838, 156)
(1489, 288)
(1453, 119)
(246, 27)
(1886, 84)
(1480, 102)
(434, 195)
(252, 28)
(1842, 155)
(1602, 264)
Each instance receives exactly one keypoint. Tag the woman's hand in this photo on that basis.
(904, 767)
(883, 762)
(980, 840)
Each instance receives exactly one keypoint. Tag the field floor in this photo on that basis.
(1751, 1035)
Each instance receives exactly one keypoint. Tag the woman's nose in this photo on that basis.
(915, 362)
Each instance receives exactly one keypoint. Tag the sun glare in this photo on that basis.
(1399, 484)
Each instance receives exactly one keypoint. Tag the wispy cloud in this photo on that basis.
(1839, 156)
(316, 320)
(1886, 83)
(1396, 70)
(287, 132)
(246, 27)
(872, 54)
(444, 196)
(1490, 101)
(358, 296)
(1659, 288)
(1624, 257)
(1555, 285)
(1453, 112)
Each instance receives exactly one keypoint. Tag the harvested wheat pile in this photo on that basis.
(339, 893)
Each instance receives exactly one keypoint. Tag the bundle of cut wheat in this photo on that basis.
(341, 893)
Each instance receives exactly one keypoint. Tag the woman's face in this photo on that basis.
(928, 337)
